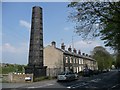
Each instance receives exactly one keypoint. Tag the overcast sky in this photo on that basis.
(16, 22)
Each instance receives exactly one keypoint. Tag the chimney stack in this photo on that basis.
(63, 46)
(83, 54)
(89, 55)
(74, 50)
(53, 43)
(79, 52)
(70, 49)
(86, 54)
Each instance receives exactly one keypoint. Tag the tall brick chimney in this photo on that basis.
(35, 59)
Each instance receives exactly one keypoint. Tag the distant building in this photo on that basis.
(59, 59)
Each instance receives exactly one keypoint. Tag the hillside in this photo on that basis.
(6, 68)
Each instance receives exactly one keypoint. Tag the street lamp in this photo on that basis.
(73, 53)
(73, 41)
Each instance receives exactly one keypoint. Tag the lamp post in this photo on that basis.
(73, 41)
(73, 53)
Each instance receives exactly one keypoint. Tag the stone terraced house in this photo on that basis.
(59, 59)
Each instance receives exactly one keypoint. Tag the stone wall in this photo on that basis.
(53, 72)
(18, 77)
(4, 78)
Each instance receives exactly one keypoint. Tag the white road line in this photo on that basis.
(83, 84)
(68, 87)
(41, 86)
(77, 85)
(95, 80)
(115, 86)
(45, 85)
(30, 87)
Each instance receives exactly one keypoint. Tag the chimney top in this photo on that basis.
(36, 7)
(53, 43)
(74, 50)
(63, 46)
(70, 49)
(89, 55)
(83, 53)
(79, 52)
(86, 54)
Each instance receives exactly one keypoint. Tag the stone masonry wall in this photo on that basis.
(18, 77)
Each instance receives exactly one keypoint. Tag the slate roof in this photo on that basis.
(75, 54)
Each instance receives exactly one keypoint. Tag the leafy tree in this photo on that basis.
(19, 67)
(12, 68)
(103, 58)
(98, 19)
(118, 60)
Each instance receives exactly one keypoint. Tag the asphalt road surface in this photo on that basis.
(107, 81)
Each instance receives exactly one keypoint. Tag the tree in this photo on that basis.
(118, 60)
(97, 19)
(103, 58)
(20, 68)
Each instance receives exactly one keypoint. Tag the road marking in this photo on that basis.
(68, 87)
(95, 80)
(84, 83)
(77, 85)
(30, 87)
(42, 86)
(115, 86)
(45, 85)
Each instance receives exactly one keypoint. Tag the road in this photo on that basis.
(109, 81)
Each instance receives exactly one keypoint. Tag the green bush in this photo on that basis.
(11, 68)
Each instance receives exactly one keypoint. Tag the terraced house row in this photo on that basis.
(60, 59)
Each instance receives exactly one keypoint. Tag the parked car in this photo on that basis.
(105, 70)
(64, 76)
(87, 72)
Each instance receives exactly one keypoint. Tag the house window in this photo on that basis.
(74, 60)
(70, 60)
(77, 70)
(79, 61)
(66, 59)
(80, 68)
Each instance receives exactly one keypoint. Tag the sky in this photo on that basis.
(16, 24)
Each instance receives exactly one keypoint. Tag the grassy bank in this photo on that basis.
(8, 68)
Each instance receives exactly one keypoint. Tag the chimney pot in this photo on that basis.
(75, 51)
(70, 49)
(89, 55)
(83, 53)
(63, 46)
(79, 52)
(53, 43)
